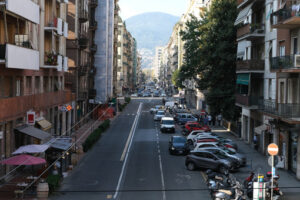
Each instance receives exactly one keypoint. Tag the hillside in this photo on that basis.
(151, 30)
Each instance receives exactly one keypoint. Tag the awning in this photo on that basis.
(32, 148)
(243, 79)
(260, 129)
(44, 124)
(34, 132)
(60, 143)
(243, 14)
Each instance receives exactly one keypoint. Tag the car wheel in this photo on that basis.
(171, 152)
(223, 169)
(191, 166)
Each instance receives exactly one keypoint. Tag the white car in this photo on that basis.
(199, 146)
(159, 114)
(156, 108)
(167, 124)
(134, 95)
(196, 133)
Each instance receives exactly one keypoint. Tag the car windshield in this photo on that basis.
(160, 112)
(179, 140)
(168, 122)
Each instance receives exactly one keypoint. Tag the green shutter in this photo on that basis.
(243, 79)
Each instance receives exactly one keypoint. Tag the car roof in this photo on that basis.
(167, 118)
(178, 136)
(200, 144)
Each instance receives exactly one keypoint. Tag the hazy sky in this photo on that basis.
(133, 7)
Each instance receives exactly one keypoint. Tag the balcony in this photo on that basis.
(248, 101)
(14, 107)
(242, 3)
(251, 31)
(93, 3)
(83, 15)
(53, 61)
(250, 65)
(83, 41)
(24, 8)
(284, 110)
(55, 25)
(83, 70)
(285, 18)
(285, 63)
(26, 58)
(93, 25)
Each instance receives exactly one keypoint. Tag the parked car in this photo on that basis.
(182, 118)
(194, 134)
(134, 95)
(208, 160)
(163, 95)
(167, 124)
(156, 108)
(193, 126)
(156, 94)
(241, 159)
(226, 142)
(198, 146)
(178, 145)
(159, 114)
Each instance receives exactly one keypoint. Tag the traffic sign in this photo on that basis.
(273, 149)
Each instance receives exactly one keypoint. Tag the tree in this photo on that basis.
(210, 54)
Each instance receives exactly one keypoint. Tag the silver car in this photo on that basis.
(229, 153)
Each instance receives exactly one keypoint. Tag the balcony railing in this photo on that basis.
(250, 65)
(83, 41)
(18, 106)
(284, 110)
(283, 62)
(247, 100)
(251, 31)
(286, 18)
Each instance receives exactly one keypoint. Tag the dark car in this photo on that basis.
(178, 145)
(209, 160)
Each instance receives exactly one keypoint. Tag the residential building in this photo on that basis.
(104, 38)
(157, 61)
(34, 102)
(268, 77)
(115, 61)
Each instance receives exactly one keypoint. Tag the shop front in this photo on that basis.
(293, 150)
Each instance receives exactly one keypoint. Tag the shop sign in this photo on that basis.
(30, 118)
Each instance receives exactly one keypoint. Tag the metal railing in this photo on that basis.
(245, 100)
(253, 64)
(285, 110)
(281, 15)
(283, 62)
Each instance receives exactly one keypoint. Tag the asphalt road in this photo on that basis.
(133, 168)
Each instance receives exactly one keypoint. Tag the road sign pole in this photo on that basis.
(272, 178)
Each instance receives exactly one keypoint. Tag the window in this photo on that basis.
(18, 87)
(295, 45)
(282, 51)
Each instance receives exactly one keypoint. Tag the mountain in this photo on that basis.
(151, 30)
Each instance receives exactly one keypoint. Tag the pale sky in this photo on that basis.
(130, 8)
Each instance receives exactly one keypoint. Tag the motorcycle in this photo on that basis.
(235, 193)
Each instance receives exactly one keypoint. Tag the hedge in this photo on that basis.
(53, 182)
(94, 137)
(127, 99)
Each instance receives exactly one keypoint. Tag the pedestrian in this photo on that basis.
(205, 120)
(219, 118)
(209, 118)
(255, 141)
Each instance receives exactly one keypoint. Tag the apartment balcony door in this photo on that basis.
(281, 92)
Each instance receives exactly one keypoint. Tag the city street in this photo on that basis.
(146, 172)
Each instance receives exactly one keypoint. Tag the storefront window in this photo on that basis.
(293, 151)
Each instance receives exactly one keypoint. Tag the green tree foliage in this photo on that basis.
(176, 78)
(210, 54)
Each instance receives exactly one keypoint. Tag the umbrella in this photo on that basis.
(23, 160)
(33, 148)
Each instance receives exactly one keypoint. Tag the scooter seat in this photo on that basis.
(228, 192)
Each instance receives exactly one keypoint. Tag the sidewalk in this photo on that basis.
(259, 163)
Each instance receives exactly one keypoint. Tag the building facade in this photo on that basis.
(268, 77)
(33, 62)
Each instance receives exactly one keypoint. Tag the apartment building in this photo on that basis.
(157, 61)
(115, 58)
(34, 103)
(104, 39)
(268, 77)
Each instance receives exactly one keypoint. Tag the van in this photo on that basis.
(167, 124)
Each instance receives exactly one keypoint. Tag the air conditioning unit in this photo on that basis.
(297, 60)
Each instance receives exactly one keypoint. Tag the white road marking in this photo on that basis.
(162, 178)
(127, 149)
